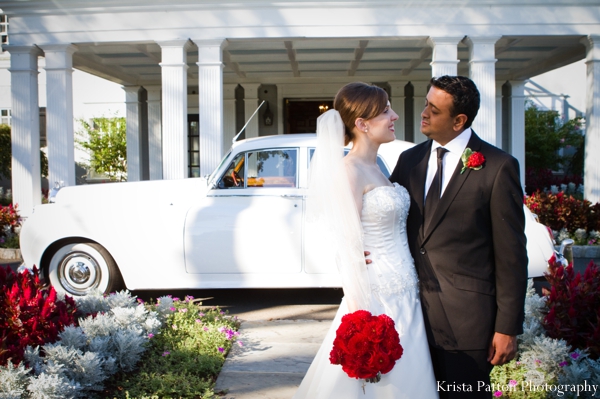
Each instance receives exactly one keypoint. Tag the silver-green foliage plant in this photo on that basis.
(542, 361)
(13, 380)
(111, 339)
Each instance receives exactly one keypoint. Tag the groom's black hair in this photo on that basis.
(465, 96)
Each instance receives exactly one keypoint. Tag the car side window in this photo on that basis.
(380, 162)
(265, 168)
(272, 168)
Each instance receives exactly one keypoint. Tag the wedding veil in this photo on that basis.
(331, 210)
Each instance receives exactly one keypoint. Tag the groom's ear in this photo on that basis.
(459, 122)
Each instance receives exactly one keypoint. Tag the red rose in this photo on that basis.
(475, 160)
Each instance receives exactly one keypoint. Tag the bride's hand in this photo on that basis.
(367, 260)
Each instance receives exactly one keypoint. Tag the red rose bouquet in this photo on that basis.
(366, 346)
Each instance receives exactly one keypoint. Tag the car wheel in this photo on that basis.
(82, 268)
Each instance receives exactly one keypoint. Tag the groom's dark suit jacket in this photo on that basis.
(472, 261)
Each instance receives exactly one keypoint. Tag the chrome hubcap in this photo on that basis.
(79, 273)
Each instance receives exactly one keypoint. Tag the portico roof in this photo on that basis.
(371, 59)
(283, 40)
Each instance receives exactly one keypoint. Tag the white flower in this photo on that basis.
(580, 234)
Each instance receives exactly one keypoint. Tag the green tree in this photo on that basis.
(6, 154)
(545, 134)
(106, 142)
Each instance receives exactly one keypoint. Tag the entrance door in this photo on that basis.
(301, 115)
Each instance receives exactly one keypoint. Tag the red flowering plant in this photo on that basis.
(9, 221)
(471, 160)
(30, 314)
(559, 211)
(366, 346)
(573, 306)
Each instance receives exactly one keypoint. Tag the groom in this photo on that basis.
(468, 243)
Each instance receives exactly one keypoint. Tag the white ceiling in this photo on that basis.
(291, 60)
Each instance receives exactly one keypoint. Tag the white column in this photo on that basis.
(280, 110)
(397, 102)
(444, 59)
(174, 108)
(59, 113)
(250, 104)
(134, 132)
(420, 92)
(210, 99)
(228, 115)
(591, 166)
(482, 71)
(517, 124)
(154, 132)
(499, 114)
(25, 129)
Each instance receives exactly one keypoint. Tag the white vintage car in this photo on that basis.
(242, 227)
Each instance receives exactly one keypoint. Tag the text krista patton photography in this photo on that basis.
(584, 389)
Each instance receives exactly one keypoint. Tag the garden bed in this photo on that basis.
(99, 346)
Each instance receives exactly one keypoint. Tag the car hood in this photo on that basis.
(132, 193)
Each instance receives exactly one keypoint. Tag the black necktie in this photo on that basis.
(433, 195)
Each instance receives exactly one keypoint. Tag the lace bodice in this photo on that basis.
(383, 216)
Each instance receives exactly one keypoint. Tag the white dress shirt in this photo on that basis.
(455, 149)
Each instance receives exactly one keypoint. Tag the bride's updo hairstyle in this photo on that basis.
(359, 100)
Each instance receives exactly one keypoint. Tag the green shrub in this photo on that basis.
(184, 360)
(6, 154)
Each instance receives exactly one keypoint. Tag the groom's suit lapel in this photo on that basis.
(417, 178)
(454, 185)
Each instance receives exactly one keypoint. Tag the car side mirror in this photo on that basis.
(565, 253)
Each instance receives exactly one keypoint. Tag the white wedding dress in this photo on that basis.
(394, 290)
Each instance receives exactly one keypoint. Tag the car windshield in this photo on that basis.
(214, 173)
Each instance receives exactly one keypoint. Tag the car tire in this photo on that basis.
(81, 268)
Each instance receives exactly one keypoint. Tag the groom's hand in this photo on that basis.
(502, 349)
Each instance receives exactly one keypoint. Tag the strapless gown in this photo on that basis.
(394, 288)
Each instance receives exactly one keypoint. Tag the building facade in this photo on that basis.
(202, 67)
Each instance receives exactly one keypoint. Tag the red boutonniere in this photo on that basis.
(471, 160)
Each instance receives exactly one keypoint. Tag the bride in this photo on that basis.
(360, 210)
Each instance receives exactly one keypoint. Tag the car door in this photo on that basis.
(251, 222)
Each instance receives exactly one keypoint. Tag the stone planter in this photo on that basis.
(10, 254)
(585, 251)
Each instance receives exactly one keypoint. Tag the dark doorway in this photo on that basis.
(193, 145)
(301, 115)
